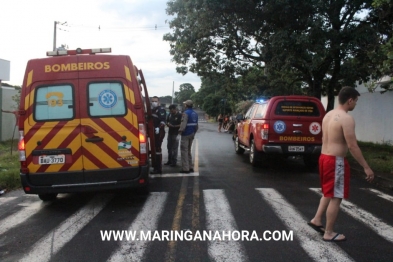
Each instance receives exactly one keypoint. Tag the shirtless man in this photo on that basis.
(338, 128)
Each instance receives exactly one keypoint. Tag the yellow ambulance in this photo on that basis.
(83, 124)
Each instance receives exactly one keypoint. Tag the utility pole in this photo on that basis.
(173, 91)
(54, 34)
(54, 37)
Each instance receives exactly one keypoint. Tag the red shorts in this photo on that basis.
(334, 172)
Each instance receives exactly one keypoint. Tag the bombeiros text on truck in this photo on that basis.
(83, 124)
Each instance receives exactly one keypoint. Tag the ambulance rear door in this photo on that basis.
(150, 124)
(109, 127)
(52, 126)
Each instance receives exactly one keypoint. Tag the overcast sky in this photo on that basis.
(127, 26)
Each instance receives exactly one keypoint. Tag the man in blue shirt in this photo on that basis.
(188, 128)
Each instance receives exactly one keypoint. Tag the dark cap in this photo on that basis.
(173, 106)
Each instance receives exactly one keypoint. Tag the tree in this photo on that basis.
(243, 106)
(386, 13)
(16, 97)
(211, 104)
(320, 44)
(185, 92)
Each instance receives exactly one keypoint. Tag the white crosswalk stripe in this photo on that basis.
(312, 243)
(374, 223)
(379, 193)
(219, 218)
(4, 200)
(175, 175)
(146, 220)
(52, 242)
(21, 216)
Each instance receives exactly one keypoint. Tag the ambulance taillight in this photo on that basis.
(21, 147)
(142, 143)
(265, 132)
(22, 153)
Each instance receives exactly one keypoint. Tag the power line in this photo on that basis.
(112, 29)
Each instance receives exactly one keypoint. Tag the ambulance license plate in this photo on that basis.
(51, 160)
(295, 148)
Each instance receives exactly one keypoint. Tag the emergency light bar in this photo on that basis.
(79, 51)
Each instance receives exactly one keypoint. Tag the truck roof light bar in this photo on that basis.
(56, 53)
(79, 51)
(101, 50)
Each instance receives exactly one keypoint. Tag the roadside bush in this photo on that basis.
(243, 106)
(378, 156)
(9, 166)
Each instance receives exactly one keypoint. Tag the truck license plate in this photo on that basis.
(51, 160)
(295, 148)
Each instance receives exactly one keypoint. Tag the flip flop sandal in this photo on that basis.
(319, 229)
(334, 239)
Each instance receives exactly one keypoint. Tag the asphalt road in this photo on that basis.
(266, 207)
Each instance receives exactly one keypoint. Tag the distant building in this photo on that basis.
(165, 102)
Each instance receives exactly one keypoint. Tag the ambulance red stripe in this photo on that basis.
(96, 161)
(51, 134)
(107, 128)
(128, 125)
(31, 132)
(111, 153)
(134, 151)
(75, 156)
(66, 142)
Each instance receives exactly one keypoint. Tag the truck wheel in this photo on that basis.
(254, 154)
(47, 197)
(311, 161)
(238, 149)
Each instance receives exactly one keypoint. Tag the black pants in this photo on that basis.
(173, 145)
(158, 143)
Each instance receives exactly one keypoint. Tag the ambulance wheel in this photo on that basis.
(238, 149)
(143, 190)
(47, 197)
(254, 154)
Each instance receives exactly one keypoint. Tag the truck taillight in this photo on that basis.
(21, 147)
(265, 132)
(142, 144)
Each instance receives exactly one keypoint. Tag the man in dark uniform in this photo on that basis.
(159, 117)
(173, 122)
(188, 128)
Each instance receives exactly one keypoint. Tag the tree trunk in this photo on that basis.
(333, 81)
(316, 91)
(330, 104)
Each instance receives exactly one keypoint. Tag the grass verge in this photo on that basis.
(378, 156)
(9, 165)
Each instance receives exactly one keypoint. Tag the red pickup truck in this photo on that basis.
(282, 125)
